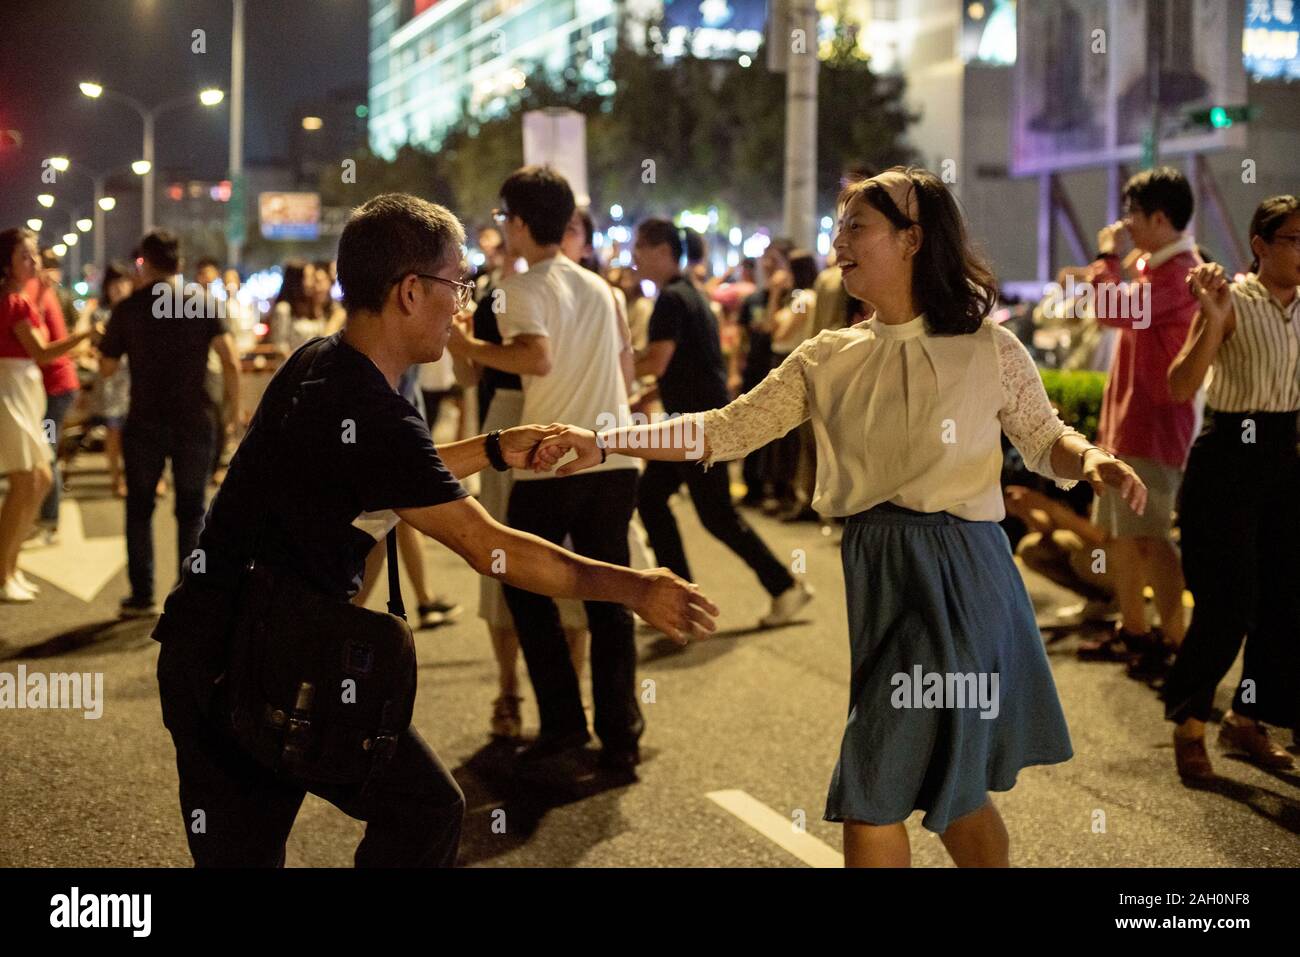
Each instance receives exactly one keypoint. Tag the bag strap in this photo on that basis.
(395, 605)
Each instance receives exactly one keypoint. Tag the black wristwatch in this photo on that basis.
(492, 446)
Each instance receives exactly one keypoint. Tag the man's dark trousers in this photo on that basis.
(594, 510)
(146, 447)
(711, 492)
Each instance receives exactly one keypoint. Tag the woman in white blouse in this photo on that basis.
(950, 693)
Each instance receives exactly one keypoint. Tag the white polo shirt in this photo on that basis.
(574, 308)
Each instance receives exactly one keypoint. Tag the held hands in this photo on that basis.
(1104, 471)
(675, 606)
(1209, 285)
(582, 441)
(522, 447)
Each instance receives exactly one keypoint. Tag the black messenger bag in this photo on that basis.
(319, 688)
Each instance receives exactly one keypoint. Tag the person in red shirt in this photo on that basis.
(1148, 302)
(24, 453)
(60, 376)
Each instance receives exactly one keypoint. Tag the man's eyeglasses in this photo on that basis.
(464, 290)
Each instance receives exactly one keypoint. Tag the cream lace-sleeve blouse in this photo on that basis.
(900, 416)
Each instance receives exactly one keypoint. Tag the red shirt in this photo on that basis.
(14, 309)
(1138, 416)
(60, 375)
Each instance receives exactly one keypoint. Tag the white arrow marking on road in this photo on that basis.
(78, 565)
(777, 829)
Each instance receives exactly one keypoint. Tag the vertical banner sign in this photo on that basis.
(237, 217)
(558, 138)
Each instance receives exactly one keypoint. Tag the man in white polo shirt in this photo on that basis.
(560, 335)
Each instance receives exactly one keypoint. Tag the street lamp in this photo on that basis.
(102, 203)
(144, 167)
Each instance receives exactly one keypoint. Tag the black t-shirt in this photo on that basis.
(331, 451)
(696, 378)
(168, 350)
(486, 328)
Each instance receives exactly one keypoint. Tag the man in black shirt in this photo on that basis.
(685, 355)
(313, 486)
(167, 329)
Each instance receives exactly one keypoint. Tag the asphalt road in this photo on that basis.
(758, 712)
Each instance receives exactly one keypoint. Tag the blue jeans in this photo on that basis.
(56, 410)
(145, 450)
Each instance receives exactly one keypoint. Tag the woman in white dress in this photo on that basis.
(950, 692)
(24, 451)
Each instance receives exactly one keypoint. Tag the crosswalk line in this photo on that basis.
(777, 828)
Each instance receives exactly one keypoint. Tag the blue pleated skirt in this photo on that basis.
(951, 693)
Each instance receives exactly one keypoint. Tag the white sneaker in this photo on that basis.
(788, 604)
(15, 593)
(26, 582)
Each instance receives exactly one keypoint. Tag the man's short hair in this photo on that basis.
(1163, 189)
(658, 232)
(203, 261)
(542, 198)
(389, 237)
(161, 248)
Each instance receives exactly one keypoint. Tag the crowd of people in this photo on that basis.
(872, 390)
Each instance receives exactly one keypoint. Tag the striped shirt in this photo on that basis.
(1257, 368)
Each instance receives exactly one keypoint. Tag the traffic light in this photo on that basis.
(1222, 117)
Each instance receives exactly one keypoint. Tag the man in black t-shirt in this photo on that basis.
(334, 458)
(685, 356)
(167, 329)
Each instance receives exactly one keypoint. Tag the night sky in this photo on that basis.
(294, 49)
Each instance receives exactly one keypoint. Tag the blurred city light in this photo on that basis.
(85, 225)
(312, 123)
(60, 163)
(141, 167)
(211, 97)
(106, 203)
(70, 238)
(45, 199)
(59, 250)
(92, 90)
(35, 224)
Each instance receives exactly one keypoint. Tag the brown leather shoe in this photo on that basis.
(1253, 739)
(1193, 762)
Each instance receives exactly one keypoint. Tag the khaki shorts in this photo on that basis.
(1112, 514)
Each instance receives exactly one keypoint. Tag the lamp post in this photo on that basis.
(103, 202)
(235, 225)
(207, 97)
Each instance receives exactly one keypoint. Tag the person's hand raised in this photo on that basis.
(1209, 284)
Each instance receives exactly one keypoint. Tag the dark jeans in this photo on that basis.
(1240, 521)
(413, 808)
(594, 509)
(56, 410)
(146, 447)
(711, 492)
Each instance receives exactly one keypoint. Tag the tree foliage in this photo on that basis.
(715, 131)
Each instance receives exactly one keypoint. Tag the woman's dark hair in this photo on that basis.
(696, 248)
(11, 239)
(1268, 219)
(542, 198)
(660, 232)
(388, 238)
(951, 283)
(1165, 190)
(803, 268)
(114, 271)
(293, 287)
(589, 260)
